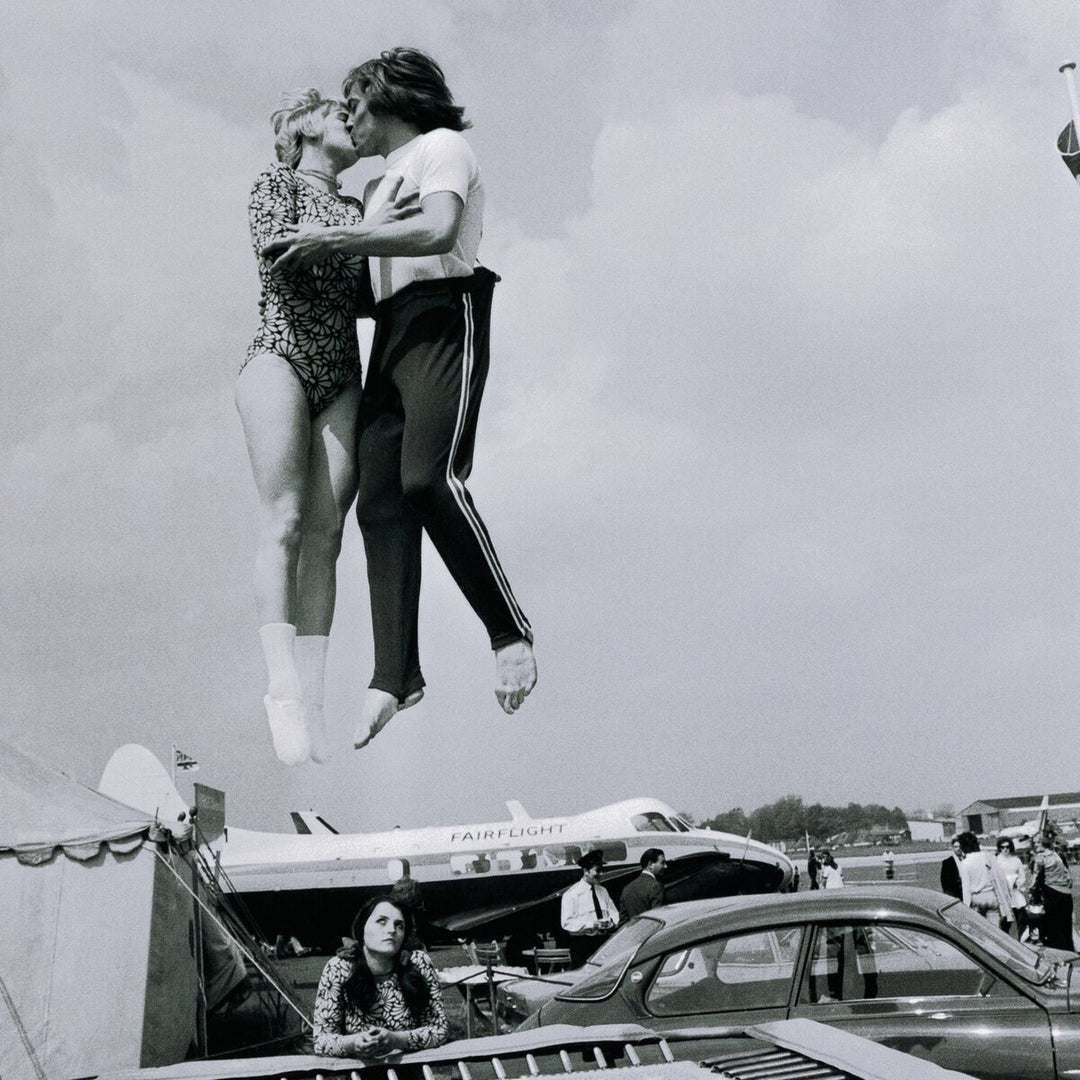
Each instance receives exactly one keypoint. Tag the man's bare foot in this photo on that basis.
(378, 710)
(515, 674)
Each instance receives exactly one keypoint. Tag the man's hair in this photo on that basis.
(408, 84)
(969, 842)
(650, 855)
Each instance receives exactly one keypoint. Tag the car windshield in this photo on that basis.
(1024, 961)
(604, 969)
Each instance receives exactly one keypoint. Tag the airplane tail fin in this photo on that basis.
(135, 777)
(308, 823)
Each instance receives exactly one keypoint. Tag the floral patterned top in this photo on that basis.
(309, 317)
(336, 1016)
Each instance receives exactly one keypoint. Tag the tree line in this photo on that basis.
(790, 818)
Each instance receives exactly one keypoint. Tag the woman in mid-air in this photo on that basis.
(376, 997)
(298, 393)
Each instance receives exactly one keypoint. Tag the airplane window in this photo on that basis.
(614, 850)
(858, 963)
(743, 971)
(472, 863)
(651, 822)
(508, 860)
(397, 869)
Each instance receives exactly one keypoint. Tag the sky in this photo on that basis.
(779, 446)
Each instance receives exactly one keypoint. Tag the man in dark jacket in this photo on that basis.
(950, 872)
(645, 891)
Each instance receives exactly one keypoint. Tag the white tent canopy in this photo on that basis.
(98, 968)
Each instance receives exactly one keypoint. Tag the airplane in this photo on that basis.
(481, 881)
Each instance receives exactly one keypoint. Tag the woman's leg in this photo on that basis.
(274, 413)
(330, 489)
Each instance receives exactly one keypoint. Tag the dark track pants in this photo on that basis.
(421, 399)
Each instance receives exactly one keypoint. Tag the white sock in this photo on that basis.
(311, 665)
(279, 642)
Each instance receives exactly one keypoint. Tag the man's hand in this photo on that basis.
(306, 244)
(393, 208)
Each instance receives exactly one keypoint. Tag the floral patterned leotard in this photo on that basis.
(309, 317)
(336, 1016)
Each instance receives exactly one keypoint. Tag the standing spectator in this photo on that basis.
(587, 912)
(1016, 878)
(645, 891)
(832, 876)
(950, 871)
(405, 894)
(1053, 889)
(888, 860)
(813, 868)
(982, 883)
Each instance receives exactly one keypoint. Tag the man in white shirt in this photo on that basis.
(425, 377)
(587, 912)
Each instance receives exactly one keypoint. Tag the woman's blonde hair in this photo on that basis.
(300, 114)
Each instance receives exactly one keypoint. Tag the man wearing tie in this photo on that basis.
(588, 912)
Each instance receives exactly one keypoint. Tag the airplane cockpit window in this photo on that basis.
(651, 822)
(681, 824)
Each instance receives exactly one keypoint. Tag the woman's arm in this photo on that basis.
(434, 1028)
(272, 206)
(328, 1022)
(431, 230)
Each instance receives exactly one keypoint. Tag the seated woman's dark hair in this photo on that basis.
(361, 988)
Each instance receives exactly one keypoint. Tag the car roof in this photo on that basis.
(687, 921)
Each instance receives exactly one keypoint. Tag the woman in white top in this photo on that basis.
(982, 883)
(831, 875)
(1011, 866)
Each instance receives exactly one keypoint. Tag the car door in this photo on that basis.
(916, 991)
(743, 978)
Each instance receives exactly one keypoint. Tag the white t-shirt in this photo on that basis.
(439, 160)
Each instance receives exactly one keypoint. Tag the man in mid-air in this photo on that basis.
(426, 374)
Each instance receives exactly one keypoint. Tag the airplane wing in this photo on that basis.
(463, 921)
(678, 871)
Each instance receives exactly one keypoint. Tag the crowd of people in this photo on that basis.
(1028, 891)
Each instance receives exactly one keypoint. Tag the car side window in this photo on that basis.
(859, 963)
(742, 971)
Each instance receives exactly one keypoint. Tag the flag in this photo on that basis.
(1069, 148)
(1067, 144)
(184, 763)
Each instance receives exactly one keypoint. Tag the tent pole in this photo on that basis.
(200, 974)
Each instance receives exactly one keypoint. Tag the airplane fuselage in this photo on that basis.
(482, 880)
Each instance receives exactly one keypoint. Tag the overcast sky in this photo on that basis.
(780, 442)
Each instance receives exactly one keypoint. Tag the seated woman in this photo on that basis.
(375, 997)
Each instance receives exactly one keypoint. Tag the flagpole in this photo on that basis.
(174, 764)
(1069, 71)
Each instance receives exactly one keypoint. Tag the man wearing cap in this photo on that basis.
(644, 891)
(588, 912)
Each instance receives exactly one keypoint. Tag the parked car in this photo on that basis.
(909, 968)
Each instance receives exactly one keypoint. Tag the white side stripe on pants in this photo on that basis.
(458, 487)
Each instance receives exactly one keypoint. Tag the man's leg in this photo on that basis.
(440, 375)
(391, 533)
